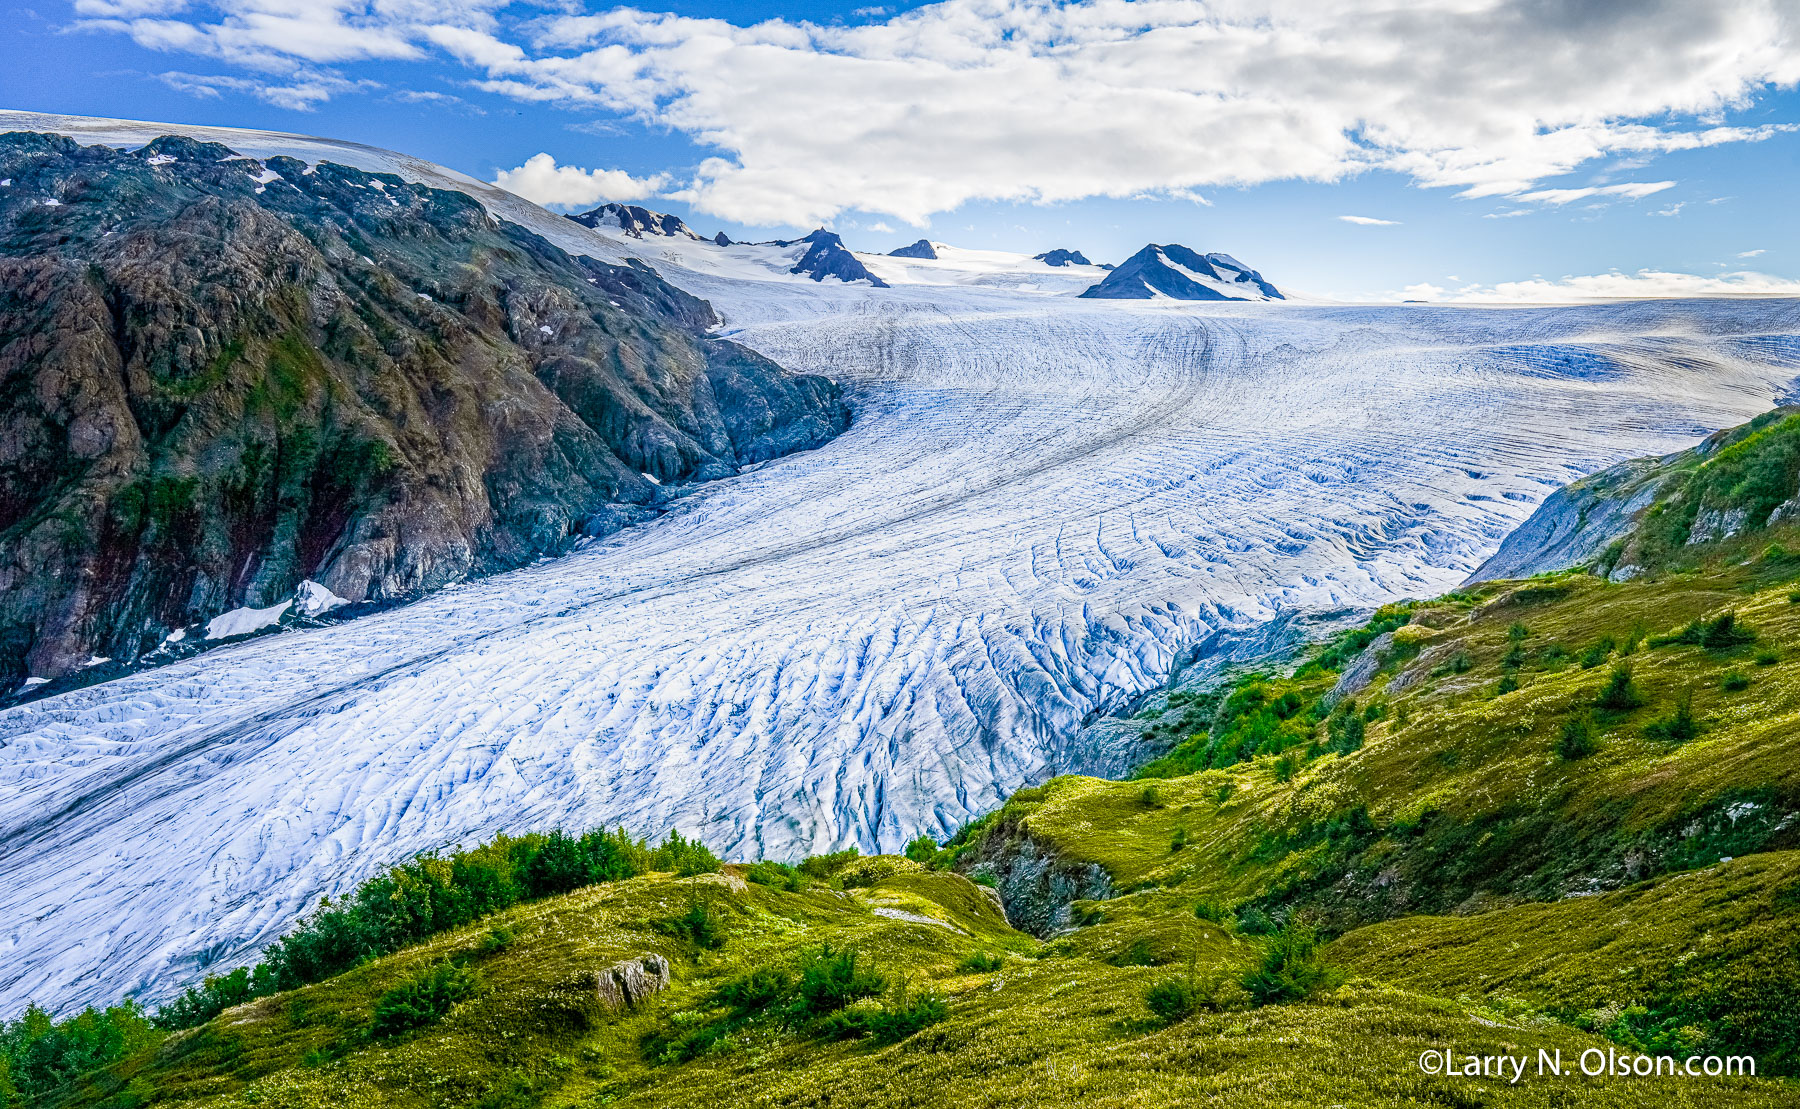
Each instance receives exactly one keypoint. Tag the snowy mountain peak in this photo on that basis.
(924, 248)
(1061, 257)
(1176, 273)
(636, 222)
(829, 257)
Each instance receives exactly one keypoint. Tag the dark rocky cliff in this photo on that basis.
(222, 377)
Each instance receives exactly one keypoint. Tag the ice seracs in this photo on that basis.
(1173, 272)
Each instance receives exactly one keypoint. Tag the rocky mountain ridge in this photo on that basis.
(228, 376)
(1175, 272)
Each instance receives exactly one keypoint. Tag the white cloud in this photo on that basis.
(1370, 221)
(1672, 210)
(1633, 190)
(542, 181)
(1752, 253)
(1611, 286)
(880, 226)
(301, 91)
(1046, 101)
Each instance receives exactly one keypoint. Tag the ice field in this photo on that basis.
(1043, 501)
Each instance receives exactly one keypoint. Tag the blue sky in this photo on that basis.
(1517, 150)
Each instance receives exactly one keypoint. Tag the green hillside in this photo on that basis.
(1550, 815)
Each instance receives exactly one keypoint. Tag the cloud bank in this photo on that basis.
(1611, 286)
(1040, 101)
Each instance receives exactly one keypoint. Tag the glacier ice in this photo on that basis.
(1042, 503)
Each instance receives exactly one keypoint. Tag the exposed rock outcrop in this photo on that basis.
(629, 983)
(1037, 887)
(1177, 273)
(637, 222)
(920, 249)
(225, 377)
(827, 256)
(1061, 257)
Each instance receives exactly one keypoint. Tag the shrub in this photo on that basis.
(1767, 658)
(1346, 729)
(38, 1053)
(890, 1022)
(1597, 652)
(1576, 741)
(922, 849)
(981, 962)
(759, 990)
(1678, 726)
(1721, 633)
(685, 857)
(1211, 911)
(497, 939)
(422, 999)
(1725, 632)
(1178, 839)
(1794, 597)
(1173, 998)
(698, 924)
(1619, 694)
(1459, 663)
(777, 876)
(1285, 768)
(1151, 795)
(1509, 682)
(830, 980)
(822, 867)
(1517, 632)
(1735, 680)
(1291, 969)
(415, 900)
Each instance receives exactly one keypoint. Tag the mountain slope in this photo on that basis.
(1640, 515)
(1177, 273)
(226, 376)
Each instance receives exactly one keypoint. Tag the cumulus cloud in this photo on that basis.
(1611, 286)
(1047, 101)
(1370, 221)
(542, 181)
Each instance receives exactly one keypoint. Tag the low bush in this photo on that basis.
(777, 876)
(890, 1022)
(1678, 726)
(981, 962)
(422, 999)
(1576, 739)
(922, 849)
(1736, 681)
(1620, 694)
(698, 925)
(1178, 997)
(1291, 969)
(830, 979)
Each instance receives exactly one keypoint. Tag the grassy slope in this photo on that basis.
(1053, 1026)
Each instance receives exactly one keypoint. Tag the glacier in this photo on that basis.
(1042, 504)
